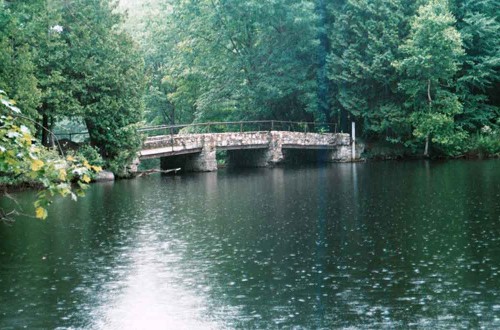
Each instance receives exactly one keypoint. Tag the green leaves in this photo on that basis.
(23, 159)
(213, 60)
(111, 96)
(479, 25)
(434, 48)
(64, 59)
(236, 60)
(428, 68)
(364, 41)
(395, 66)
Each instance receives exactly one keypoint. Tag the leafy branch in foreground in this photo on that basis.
(23, 159)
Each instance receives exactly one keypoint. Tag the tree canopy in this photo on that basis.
(72, 59)
(372, 62)
(423, 74)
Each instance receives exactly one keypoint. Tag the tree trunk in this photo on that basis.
(91, 128)
(344, 121)
(172, 115)
(427, 138)
(426, 150)
(52, 123)
(45, 132)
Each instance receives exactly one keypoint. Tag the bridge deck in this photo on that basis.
(167, 151)
(309, 147)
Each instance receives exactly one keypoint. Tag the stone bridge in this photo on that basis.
(197, 152)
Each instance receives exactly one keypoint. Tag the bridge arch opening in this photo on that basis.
(307, 156)
(247, 158)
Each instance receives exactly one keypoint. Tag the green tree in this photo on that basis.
(17, 67)
(323, 84)
(158, 45)
(107, 72)
(44, 35)
(431, 59)
(244, 59)
(479, 78)
(73, 60)
(364, 40)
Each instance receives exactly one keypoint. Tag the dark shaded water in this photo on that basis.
(376, 245)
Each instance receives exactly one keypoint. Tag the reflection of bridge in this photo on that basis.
(193, 147)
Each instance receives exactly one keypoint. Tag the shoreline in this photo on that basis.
(6, 188)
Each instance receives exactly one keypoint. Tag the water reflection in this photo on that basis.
(376, 245)
(150, 292)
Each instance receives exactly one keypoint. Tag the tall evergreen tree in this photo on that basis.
(65, 59)
(106, 73)
(323, 85)
(17, 68)
(365, 38)
(479, 24)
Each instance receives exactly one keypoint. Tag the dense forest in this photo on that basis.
(419, 76)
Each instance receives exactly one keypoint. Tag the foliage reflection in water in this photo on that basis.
(376, 245)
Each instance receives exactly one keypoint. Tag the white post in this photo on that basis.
(353, 141)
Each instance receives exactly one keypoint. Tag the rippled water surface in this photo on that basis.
(374, 245)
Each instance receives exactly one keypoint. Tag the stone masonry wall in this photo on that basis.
(189, 141)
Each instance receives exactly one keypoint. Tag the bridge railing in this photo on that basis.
(240, 126)
(222, 127)
(73, 136)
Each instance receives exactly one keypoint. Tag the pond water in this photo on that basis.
(367, 245)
